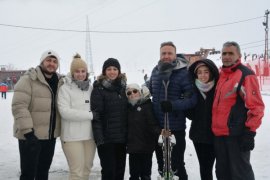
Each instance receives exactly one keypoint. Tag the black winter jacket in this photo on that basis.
(109, 104)
(201, 114)
(143, 128)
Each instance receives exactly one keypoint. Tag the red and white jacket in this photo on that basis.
(225, 98)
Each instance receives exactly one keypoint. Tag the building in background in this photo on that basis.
(10, 77)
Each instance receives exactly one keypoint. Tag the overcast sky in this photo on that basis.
(23, 47)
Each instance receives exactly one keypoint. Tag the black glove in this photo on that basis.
(99, 142)
(166, 106)
(31, 139)
(247, 141)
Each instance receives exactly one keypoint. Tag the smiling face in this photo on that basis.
(203, 74)
(80, 74)
(133, 94)
(111, 72)
(167, 54)
(49, 65)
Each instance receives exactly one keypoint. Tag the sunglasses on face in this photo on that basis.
(134, 91)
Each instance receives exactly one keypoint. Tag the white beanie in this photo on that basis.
(144, 91)
(133, 86)
(49, 53)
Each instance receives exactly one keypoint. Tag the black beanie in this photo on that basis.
(111, 62)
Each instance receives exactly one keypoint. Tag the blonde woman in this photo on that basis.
(76, 131)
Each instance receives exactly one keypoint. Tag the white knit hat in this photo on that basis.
(144, 91)
(133, 86)
(49, 53)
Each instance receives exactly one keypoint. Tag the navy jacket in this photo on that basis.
(180, 93)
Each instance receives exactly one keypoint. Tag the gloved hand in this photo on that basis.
(166, 106)
(99, 142)
(31, 139)
(247, 141)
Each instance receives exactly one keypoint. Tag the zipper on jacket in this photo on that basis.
(51, 117)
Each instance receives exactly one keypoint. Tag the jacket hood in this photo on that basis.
(67, 79)
(181, 63)
(102, 77)
(35, 73)
(209, 63)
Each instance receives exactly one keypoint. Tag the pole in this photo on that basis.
(266, 65)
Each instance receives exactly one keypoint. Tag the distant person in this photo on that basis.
(109, 103)
(143, 132)
(76, 128)
(4, 89)
(180, 97)
(145, 77)
(238, 110)
(205, 74)
(36, 120)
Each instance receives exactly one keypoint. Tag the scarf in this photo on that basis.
(114, 85)
(83, 85)
(165, 69)
(204, 87)
(134, 101)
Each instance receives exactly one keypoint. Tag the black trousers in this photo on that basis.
(112, 160)
(36, 159)
(4, 95)
(206, 156)
(231, 163)
(140, 165)
(177, 160)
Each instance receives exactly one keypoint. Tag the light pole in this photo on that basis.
(266, 65)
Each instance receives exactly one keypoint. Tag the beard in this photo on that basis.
(47, 71)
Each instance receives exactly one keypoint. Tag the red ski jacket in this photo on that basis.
(230, 118)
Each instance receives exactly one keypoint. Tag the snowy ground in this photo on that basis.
(9, 155)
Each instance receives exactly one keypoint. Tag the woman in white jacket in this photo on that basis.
(76, 129)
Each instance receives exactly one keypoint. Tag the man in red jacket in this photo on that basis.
(237, 113)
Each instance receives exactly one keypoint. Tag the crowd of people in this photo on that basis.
(114, 118)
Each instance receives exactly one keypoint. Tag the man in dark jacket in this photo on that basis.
(237, 113)
(180, 96)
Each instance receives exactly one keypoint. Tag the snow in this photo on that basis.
(9, 153)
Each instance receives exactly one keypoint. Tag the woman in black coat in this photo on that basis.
(109, 104)
(205, 74)
(143, 131)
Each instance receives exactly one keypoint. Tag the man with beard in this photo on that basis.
(36, 120)
(180, 97)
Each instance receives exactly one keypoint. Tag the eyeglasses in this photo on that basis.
(134, 91)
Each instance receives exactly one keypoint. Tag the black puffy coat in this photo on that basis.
(143, 128)
(201, 114)
(109, 104)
